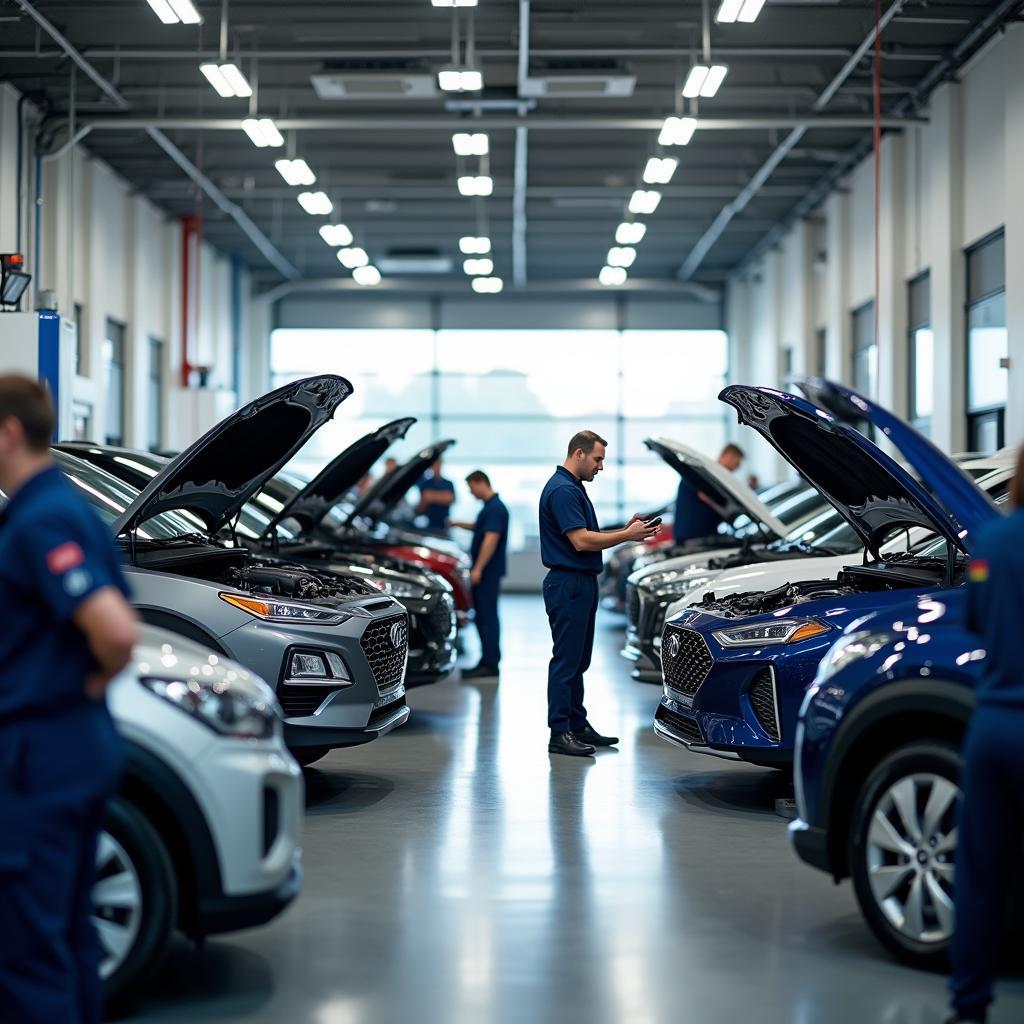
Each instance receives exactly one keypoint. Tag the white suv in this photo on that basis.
(203, 835)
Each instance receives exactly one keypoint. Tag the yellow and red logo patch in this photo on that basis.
(977, 570)
(64, 558)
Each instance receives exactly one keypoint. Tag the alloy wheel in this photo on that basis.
(117, 903)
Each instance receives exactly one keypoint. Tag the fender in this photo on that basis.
(182, 625)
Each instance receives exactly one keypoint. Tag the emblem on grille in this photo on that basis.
(673, 645)
(399, 635)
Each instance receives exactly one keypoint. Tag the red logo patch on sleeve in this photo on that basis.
(64, 558)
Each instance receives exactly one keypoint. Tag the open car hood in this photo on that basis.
(341, 474)
(214, 477)
(723, 487)
(966, 504)
(873, 492)
(387, 492)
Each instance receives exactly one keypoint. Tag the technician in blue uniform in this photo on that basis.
(991, 827)
(696, 514)
(490, 541)
(570, 546)
(67, 630)
(437, 494)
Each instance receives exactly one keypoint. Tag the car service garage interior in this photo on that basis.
(511, 511)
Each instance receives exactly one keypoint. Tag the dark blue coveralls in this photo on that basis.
(693, 518)
(570, 596)
(992, 810)
(59, 755)
(493, 518)
(437, 515)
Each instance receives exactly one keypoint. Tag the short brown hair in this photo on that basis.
(478, 476)
(733, 449)
(30, 404)
(1017, 484)
(585, 439)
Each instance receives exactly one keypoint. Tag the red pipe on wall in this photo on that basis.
(191, 237)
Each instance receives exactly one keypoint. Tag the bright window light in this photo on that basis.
(315, 203)
(460, 79)
(336, 234)
(488, 285)
(476, 185)
(351, 259)
(629, 233)
(366, 276)
(612, 277)
(739, 10)
(659, 170)
(704, 80)
(295, 172)
(226, 80)
(263, 132)
(677, 131)
(470, 245)
(186, 12)
(621, 256)
(643, 201)
(471, 143)
(479, 267)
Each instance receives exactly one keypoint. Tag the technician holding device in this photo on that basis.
(571, 544)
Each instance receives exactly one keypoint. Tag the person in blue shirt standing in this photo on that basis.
(488, 551)
(571, 543)
(68, 630)
(696, 515)
(991, 825)
(437, 494)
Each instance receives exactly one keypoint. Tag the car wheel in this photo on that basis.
(135, 899)
(903, 851)
(309, 755)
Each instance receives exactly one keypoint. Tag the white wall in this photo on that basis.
(944, 185)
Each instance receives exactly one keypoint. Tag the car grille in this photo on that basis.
(680, 725)
(441, 620)
(387, 660)
(762, 700)
(385, 711)
(688, 666)
(300, 701)
(632, 606)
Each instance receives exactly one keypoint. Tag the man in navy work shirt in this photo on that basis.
(67, 631)
(570, 546)
(991, 826)
(696, 514)
(437, 495)
(490, 540)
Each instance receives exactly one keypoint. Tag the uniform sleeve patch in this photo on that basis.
(64, 558)
(977, 570)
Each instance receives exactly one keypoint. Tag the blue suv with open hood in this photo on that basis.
(736, 669)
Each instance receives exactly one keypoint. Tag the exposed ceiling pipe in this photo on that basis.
(519, 182)
(764, 172)
(252, 232)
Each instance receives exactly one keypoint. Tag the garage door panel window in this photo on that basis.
(987, 344)
(922, 353)
(114, 378)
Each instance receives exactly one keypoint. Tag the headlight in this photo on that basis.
(284, 611)
(243, 708)
(778, 631)
(678, 587)
(399, 588)
(850, 648)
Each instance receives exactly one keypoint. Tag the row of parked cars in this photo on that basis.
(822, 632)
(282, 618)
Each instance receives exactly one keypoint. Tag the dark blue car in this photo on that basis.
(736, 670)
(877, 763)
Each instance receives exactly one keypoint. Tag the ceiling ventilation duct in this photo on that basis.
(374, 85)
(415, 261)
(611, 81)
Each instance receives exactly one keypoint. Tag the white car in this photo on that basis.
(204, 834)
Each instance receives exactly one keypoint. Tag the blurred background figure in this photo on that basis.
(436, 496)
(696, 514)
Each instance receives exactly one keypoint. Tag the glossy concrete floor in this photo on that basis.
(457, 873)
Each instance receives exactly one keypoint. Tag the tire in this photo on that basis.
(310, 755)
(903, 873)
(135, 899)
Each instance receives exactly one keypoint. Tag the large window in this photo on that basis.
(865, 351)
(512, 399)
(921, 347)
(79, 338)
(155, 395)
(986, 344)
(821, 351)
(114, 379)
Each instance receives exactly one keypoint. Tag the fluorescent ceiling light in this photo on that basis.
(351, 259)
(262, 131)
(621, 256)
(644, 202)
(336, 234)
(476, 185)
(295, 172)
(226, 80)
(488, 285)
(739, 10)
(629, 233)
(470, 245)
(677, 131)
(704, 80)
(471, 143)
(612, 277)
(315, 203)
(453, 3)
(659, 170)
(366, 276)
(454, 79)
(164, 12)
(186, 12)
(479, 267)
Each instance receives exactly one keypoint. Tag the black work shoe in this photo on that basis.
(566, 743)
(588, 734)
(481, 672)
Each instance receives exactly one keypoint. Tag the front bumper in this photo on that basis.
(811, 844)
(233, 913)
(432, 635)
(346, 725)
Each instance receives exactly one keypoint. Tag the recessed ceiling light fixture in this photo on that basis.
(659, 170)
(488, 285)
(612, 277)
(738, 10)
(453, 3)
(630, 232)
(366, 276)
(677, 131)
(471, 245)
(295, 172)
(476, 185)
(315, 203)
(642, 201)
(176, 12)
(471, 143)
(263, 132)
(352, 259)
(456, 79)
(226, 79)
(479, 267)
(336, 234)
(621, 256)
(704, 80)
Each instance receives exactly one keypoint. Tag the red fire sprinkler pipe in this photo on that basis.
(191, 238)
